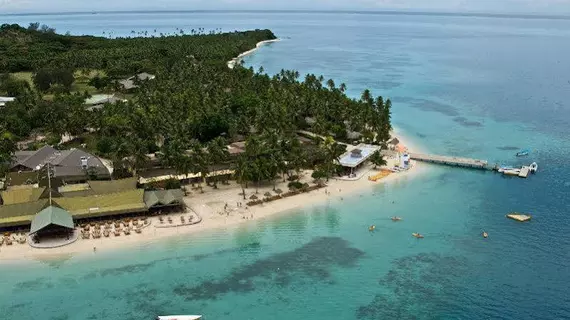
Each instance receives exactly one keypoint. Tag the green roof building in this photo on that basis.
(162, 198)
(51, 217)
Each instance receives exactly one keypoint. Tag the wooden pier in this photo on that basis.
(451, 161)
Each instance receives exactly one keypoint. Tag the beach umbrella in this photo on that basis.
(253, 197)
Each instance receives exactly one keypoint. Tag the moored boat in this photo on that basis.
(485, 234)
(533, 167)
(181, 317)
(372, 228)
(523, 153)
(396, 218)
(417, 235)
(512, 172)
(503, 168)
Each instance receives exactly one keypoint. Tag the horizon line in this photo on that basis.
(379, 12)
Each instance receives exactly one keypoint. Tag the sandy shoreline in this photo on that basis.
(232, 63)
(210, 206)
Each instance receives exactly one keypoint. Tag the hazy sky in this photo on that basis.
(501, 6)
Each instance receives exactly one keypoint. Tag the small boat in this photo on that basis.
(485, 234)
(372, 228)
(512, 172)
(504, 168)
(189, 317)
(396, 218)
(417, 235)
(523, 153)
(533, 167)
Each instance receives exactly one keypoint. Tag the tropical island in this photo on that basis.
(103, 136)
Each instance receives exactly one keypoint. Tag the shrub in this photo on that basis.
(172, 184)
(293, 178)
(295, 185)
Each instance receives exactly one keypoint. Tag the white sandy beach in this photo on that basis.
(209, 205)
(232, 63)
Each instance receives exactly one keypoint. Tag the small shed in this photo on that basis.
(394, 142)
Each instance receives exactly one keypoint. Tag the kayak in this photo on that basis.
(523, 153)
(417, 235)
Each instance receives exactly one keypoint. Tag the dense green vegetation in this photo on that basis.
(194, 107)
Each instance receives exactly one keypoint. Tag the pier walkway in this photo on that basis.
(450, 161)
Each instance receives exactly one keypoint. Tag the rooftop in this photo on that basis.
(103, 205)
(130, 82)
(349, 160)
(98, 187)
(20, 213)
(4, 100)
(66, 162)
(51, 216)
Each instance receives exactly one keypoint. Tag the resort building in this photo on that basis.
(91, 200)
(392, 143)
(165, 174)
(130, 83)
(4, 100)
(51, 222)
(357, 156)
(67, 165)
(97, 101)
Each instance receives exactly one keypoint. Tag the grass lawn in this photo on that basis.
(24, 76)
(79, 85)
(82, 78)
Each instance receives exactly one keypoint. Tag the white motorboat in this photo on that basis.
(181, 317)
(512, 172)
(533, 167)
(505, 168)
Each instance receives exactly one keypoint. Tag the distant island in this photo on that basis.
(167, 110)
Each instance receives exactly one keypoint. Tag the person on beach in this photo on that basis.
(94, 249)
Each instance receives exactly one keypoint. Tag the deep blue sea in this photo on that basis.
(469, 86)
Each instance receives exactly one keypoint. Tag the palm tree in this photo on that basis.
(377, 159)
(330, 84)
(199, 160)
(242, 173)
(7, 149)
(331, 151)
(217, 154)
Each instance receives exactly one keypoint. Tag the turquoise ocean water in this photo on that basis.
(462, 85)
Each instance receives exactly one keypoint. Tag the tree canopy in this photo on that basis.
(193, 107)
